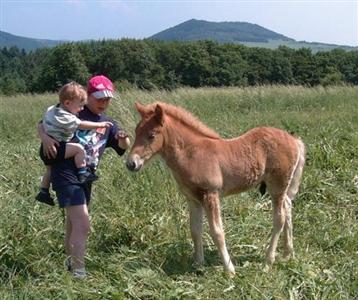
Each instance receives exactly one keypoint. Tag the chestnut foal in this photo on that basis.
(206, 167)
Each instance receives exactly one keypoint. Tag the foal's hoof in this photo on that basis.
(267, 268)
(197, 264)
(270, 259)
(231, 274)
(198, 268)
(288, 256)
(230, 271)
(268, 264)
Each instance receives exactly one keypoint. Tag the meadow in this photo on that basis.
(140, 245)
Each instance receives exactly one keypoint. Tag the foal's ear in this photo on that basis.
(159, 114)
(141, 109)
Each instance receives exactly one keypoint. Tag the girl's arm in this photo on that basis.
(49, 144)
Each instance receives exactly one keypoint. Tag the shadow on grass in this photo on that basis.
(239, 261)
(179, 260)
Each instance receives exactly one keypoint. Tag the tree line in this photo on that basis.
(150, 64)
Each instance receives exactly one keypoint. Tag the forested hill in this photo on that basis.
(10, 40)
(223, 32)
(248, 34)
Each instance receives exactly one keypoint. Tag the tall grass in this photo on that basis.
(140, 245)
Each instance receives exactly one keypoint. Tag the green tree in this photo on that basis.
(229, 66)
(12, 84)
(259, 62)
(169, 57)
(304, 67)
(332, 77)
(140, 65)
(195, 64)
(64, 63)
(281, 67)
(12, 71)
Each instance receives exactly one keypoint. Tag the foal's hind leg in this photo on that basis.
(212, 208)
(196, 230)
(279, 217)
(287, 230)
(291, 193)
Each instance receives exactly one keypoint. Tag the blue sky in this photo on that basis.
(310, 20)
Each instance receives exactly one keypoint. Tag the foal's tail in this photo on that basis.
(297, 171)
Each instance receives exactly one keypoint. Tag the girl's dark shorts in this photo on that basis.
(61, 151)
(74, 194)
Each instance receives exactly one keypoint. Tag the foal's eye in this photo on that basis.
(151, 136)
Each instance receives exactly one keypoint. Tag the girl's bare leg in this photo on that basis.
(68, 231)
(77, 230)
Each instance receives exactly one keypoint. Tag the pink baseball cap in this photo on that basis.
(100, 87)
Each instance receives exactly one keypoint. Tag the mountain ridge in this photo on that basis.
(27, 43)
(219, 31)
(248, 34)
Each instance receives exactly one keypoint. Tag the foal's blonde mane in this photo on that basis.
(188, 119)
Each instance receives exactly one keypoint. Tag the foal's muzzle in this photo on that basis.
(134, 163)
(130, 165)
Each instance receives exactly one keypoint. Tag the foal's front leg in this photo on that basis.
(196, 230)
(212, 207)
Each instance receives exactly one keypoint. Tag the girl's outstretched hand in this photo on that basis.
(123, 139)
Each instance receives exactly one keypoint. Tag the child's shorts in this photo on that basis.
(61, 151)
(74, 194)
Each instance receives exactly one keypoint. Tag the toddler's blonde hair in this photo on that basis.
(72, 91)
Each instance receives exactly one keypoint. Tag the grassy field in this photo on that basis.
(140, 245)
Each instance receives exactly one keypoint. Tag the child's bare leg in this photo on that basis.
(77, 229)
(78, 152)
(45, 181)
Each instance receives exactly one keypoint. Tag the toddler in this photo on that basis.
(60, 122)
